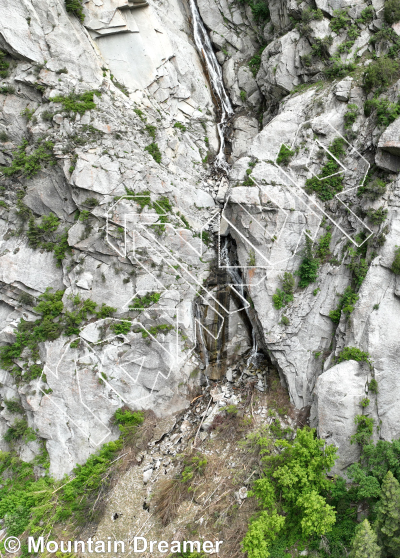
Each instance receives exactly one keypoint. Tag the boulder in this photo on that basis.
(342, 89)
(337, 396)
(388, 154)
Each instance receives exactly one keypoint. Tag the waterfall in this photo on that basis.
(204, 46)
(204, 349)
(238, 283)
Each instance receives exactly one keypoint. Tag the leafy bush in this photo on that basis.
(30, 165)
(338, 69)
(284, 156)
(391, 11)
(180, 126)
(155, 330)
(255, 62)
(14, 406)
(365, 428)
(346, 305)
(20, 431)
(396, 262)
(380, 74)
(78, 103)
(291, 494)
(372, 189)
(308, 271)
(377, 216)
(350, 115)
(151, 130)
(154, 151)
(145, 301)
(340, 20)
(320, 47)
(373, 386)
(3, 65)
(352, 353)
(75, 7)
(366, 16)
(283, 297)
(325, 185)
(121, 328)
(386, 112)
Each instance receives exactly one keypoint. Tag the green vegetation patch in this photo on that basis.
(346, 305)
(284, 156)
(154, 151)
(78, 103)
(4, 65)
(155, 330)
(54, 321)
(391, 11)
(352, 353)
(326, 185)
(28, 165)
(380, 74)
(75, 8)
(396, 262)
(284, 296)
(145, 301)
(385, 111)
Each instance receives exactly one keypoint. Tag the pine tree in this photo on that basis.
(388, 518)
(364, 543)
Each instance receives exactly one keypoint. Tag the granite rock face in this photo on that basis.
(142, 211)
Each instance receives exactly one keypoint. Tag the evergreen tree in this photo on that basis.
(388, 518)
(364, 543)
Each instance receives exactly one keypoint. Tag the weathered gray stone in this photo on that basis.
(338, 394)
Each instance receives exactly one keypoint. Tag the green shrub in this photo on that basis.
(372, 189)
(180, 126)
(391, 11)
(14, 406)
(352, 353)
(308, 271)
(377, 216)
(145, 301)
(29, 165)
(7, 90)
(346, 305)
(154, 151)
(78, 103)
(320, 47)
(285, 320)
(75, 8)
(373, 386)
(3, 65)
(284, 156)
(365, 402)
(283, 297)
(323, 252)
(325, 185)
(37, 233)
(365, 428)
(105, 311)
(338, 69)
(151, 130)
(155, 330)
(366, 16)
(127, 420)
(121, 328)
(292, 492)
(386, 112)
(255, 62)
(350, 115)
(396, 262)
(380, 74)
(340, 20)
(3, 137)
(20, 431)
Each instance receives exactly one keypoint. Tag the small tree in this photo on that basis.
(364, 543)
(388, 519)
